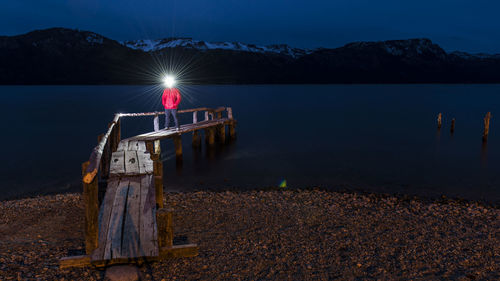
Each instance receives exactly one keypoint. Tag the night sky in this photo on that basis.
(471, 26)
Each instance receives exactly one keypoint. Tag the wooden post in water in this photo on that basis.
(196, 133)
(452, 129)
(210, 135)
(439, 120)
(221, 132)
(178, 147)
(486, 126)
(91, 202)
(165, 228)
(157, 173)
(232, 130)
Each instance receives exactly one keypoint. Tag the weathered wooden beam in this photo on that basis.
(75, 261)
(179, 251)
(486, 126)
(91, 202)
(165, 228)
(96, 155)
(439, 120)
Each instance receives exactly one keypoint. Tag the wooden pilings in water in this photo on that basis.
(439, 120)
(210, 136)
(486, 126)
(178, 148)
(91, 201)
(452, 128)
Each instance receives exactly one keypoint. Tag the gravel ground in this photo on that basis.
(274, 235)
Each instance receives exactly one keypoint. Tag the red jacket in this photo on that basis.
(171, 98)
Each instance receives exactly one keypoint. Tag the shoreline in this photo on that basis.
(274, 234)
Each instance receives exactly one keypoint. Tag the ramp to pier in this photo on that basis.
(131, 225)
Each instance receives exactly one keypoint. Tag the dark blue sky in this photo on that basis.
(471, 26)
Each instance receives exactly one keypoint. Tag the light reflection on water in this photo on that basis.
(378, 138)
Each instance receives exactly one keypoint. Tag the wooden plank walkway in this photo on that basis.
(131, 224)
(163, 134)
(127, 217)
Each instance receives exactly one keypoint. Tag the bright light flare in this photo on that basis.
(169, 81)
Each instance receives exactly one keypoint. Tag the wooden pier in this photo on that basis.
(131, 225)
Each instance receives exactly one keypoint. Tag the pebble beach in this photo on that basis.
(273, 235)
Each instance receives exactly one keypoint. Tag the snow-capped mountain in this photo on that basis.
(160, 44)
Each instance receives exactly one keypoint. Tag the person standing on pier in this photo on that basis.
(171, 99)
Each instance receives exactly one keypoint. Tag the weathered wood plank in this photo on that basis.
(104, 218)
(113, 241)
(131, 163)
(136, 145)
(131, 226)
(75, 261)
(122, 145)
(148, 229)
(145, 163)
(117, 165)
(162, 134)
(179, 251)
(95, 156)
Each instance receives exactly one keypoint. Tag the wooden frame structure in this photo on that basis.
(100, 166)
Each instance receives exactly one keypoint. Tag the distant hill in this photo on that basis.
(65, 56)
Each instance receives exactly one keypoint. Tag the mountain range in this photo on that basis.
(67, 56)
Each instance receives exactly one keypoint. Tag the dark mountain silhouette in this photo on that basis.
(65, 56)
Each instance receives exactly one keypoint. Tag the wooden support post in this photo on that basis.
(210, 135)
(232, 124)
(232, 129)
(196, 134)
(486, 126)
(439, 120)
(156, 125)
(91, 202)
(196, 139)
(206, 115)
(158, 174)
(178, 147)
(116, 136)
(219, 115)
(195, 117)
(452, 129)
(165, 228)
(221, 133)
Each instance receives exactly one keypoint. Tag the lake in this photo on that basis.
(374, 138)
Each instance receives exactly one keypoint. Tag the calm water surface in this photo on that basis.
(380, 138)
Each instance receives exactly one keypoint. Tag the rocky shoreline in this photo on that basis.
(274, 235)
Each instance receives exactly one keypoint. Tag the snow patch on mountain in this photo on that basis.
(160, 44)
(94, 38)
